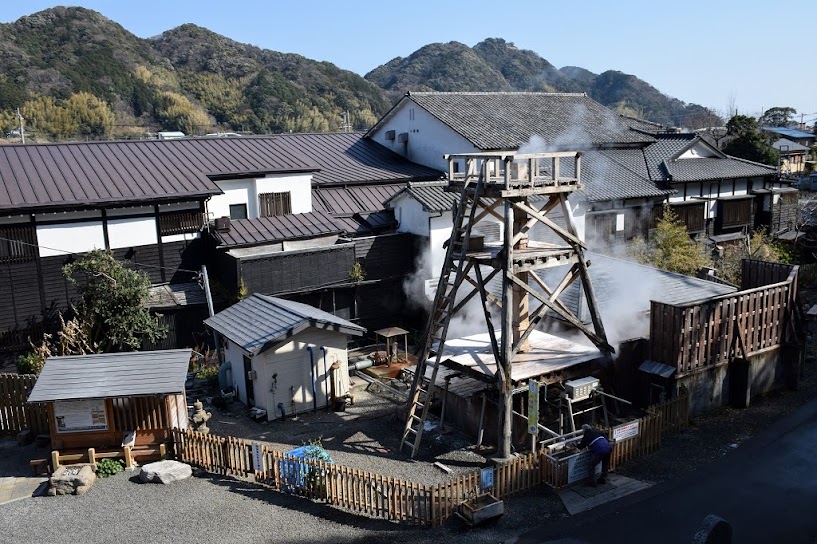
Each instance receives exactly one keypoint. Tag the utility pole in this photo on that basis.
(22, 131)
(206, 281)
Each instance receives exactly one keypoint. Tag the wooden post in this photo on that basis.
(162, 451)
(505, 384)
(92, 457)
(55, 460)
(128, 457)
(481, 430)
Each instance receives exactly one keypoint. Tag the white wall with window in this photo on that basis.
(276, 194)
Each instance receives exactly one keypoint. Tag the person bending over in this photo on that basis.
(600, 450)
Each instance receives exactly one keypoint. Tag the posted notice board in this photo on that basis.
(74, 416)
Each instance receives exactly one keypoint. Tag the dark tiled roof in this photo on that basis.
(615, 174)
(432, 195)
(263, 230)
(509, 120)
(664, 149)
(715, 168)
(643, 125)
(106, 375)
(259, 322)
(350, 158)
(76, 174)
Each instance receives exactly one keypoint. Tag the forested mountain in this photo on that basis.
(497, 65)
(76, 74)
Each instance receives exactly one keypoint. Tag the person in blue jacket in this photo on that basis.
(600, 450)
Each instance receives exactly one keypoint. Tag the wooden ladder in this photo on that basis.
(422, 388)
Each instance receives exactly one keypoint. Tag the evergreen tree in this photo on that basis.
(671, 248)
(749, 142)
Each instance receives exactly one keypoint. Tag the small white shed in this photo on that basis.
(286, 357)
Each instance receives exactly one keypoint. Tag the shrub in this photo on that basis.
(30, 363)
(109, 467)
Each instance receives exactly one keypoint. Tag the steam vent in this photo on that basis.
(517, 281)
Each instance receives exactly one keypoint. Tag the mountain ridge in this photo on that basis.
(77, 74)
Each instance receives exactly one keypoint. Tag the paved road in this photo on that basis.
(767, 489)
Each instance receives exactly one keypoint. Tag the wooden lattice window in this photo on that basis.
(735, 213)
(271, 204)
(180, 222)
(18, 243)
(691, 215)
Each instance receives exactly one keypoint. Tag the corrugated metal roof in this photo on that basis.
(97, 173)
(248, 232)
(350, 158)
(349, 200)
(789, 132)
(432, 195)
(107, 375)
(259, 322)
(507, 120)
(790, 145)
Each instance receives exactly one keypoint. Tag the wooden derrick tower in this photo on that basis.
(520, 191)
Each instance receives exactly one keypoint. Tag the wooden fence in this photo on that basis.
(400, 500)
(699, 335)
(15, 412)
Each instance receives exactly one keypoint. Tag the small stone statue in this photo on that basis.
(200, 418)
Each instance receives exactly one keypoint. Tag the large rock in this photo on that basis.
(71, 480)
(165, 472)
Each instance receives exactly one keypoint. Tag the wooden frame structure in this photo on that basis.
(520, 190)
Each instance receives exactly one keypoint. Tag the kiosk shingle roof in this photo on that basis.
(106, 375)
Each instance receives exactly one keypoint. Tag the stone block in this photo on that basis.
(165, 472)
(71, 480)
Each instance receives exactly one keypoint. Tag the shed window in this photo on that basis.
(18, 243)
(691, 214)
(238, 211)
(180, 222)
(270, 204)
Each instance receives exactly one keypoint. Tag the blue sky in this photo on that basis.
(714, 53)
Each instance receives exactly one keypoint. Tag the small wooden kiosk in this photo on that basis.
(113, 404)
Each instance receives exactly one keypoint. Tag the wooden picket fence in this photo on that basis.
(400, 500)
(16, 413)
(698, 335)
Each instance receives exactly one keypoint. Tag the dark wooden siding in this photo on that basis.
(386, 256)
(297, 271)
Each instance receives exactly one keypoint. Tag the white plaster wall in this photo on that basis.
(428, 138)
(441, 228)
(140, 231)
(235, 355)
(184, 237)
(410, 215)
(60, 239)
(246, 191)
(298, 185)
(291, 363)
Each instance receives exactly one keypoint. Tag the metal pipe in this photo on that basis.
(312, 372)
(325, 382)
(360, 365)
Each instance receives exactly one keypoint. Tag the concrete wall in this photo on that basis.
(715, 387)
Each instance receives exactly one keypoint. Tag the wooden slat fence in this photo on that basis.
(400, 500)
(16, 413)
(699, 335)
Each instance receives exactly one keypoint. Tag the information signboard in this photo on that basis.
(257, 458)
(486, 478)
(75, 416)
(578, 467)
(626, 430)
(533, 407)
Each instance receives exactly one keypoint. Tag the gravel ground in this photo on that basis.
(366, 436)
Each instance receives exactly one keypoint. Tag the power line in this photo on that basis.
(197, 272)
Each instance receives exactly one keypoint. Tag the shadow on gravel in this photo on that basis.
(14, 459)
(318, 510)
